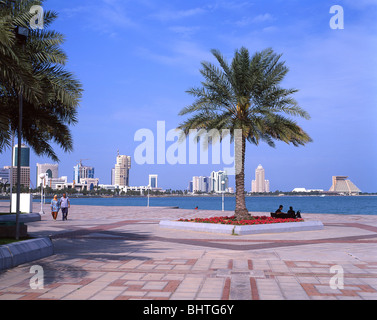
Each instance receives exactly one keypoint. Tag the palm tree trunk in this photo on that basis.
(241, 211)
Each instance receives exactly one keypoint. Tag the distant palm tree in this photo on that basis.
(246, 95)
(36, 68)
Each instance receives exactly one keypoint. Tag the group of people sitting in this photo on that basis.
(290, 213)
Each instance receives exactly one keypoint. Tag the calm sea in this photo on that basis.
(306, 204)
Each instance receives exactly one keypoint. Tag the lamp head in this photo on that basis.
(22, 32)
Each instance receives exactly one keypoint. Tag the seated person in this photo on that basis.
(279, 211)
(291, 212)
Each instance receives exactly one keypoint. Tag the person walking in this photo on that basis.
(64, 205)
(55, 206)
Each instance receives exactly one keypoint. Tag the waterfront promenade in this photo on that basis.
(121, 253)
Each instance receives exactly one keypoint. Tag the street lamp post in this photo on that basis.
(42, 176)
(223, 191)
(11, 175)
(21, 34)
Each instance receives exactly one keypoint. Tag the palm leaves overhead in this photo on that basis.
(246, 95)
(51, 94)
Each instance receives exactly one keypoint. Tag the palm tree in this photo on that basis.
(50, 93)
(245, 96)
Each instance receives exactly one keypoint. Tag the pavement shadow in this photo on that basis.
(92, 246)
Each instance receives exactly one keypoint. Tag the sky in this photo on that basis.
(137, 59)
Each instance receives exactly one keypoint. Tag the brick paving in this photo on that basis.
(121, 253)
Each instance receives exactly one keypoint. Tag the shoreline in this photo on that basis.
(212, 212)
(6, 198)
(219, 212)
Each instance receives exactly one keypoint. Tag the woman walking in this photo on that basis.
(55, 206)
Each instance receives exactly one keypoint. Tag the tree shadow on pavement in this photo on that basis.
(74, 253)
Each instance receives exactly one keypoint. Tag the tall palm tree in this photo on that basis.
(245, 96)
(51, 94)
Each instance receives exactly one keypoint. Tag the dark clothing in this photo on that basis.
(65, 213)
(291, 212)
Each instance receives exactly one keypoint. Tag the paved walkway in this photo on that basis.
(122, 253)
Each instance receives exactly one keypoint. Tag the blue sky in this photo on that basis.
(136, 59)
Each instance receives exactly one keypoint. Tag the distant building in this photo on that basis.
(218, 182)
(25, 176)
(122, 170)
(342, 185)
(4, 175)
(82, 172)
(89, 183)
(306, 190)
(141, 189)
(153, 181)
(260, 184)
(25, 156)
(200, 184)
(110, 187)
(299, 190)
(25, 165)
(113, 176)
(51, 171)
(54, 182)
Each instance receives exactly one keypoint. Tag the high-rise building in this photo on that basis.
(122, 170)
(25, 176)
(200, 184)
(113, 176)
(25, 156)
(25, 166)
(153, 181)
(341, 184)
(82, 172)
(260, 184)
(51, 171)
(218, 181)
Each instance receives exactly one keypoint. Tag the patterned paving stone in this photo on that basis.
(122, 254)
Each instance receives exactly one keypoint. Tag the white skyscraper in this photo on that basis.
(200, 184)
(260, 184)
(216, 182)
(122, 170)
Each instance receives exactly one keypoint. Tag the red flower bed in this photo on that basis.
(232, 220)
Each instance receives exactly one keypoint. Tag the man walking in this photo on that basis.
(64, 205)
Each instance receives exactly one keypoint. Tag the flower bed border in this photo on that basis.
(243, 229)
(254, 220)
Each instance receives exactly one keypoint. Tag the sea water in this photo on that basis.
(306, 204)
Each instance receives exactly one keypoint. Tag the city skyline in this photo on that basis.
(157, 47)
(204, 184)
